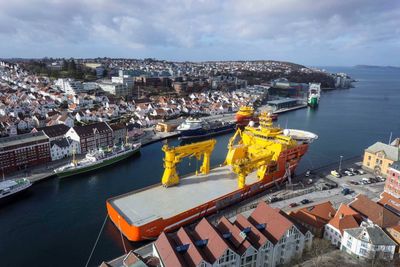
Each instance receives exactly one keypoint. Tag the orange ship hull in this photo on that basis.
(154, 228)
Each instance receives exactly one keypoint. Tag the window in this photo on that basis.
(363, 251)
(364, 245)
(348, 244)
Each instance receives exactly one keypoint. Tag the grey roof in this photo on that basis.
(396, 165)
(376, 235)
(22, 139)
(63, 142)
(54, 130)
(391, 152)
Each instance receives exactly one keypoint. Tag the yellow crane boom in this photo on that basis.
(244, 166)
(174, 155)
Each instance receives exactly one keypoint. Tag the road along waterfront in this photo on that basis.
(57, 221)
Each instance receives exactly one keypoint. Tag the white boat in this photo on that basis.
(13, 186)
(97, 159)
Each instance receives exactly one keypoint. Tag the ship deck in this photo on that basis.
(143, 206)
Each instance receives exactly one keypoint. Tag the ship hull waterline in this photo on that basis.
(154, 228)
(97, 166)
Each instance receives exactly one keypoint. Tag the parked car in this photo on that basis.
(349, 173)
(309, 181)
(365, 180)
(334, 173)
(308, 173)
(354, 183)
(374, 180)
(292, 205)
(347, 191)
(305, 201)
(274, 199)
(360, 171)
(382, 179)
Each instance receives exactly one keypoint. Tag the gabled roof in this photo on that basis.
(238, 239)
(216, 245)
(276, 224)
(372, 234)
(374, 212)
(255, 237)
(345, 218)
(389, 200)
(88, 130)
(54, 130)
(193, 256)
(316, 215)
(167, 252)
(391, 152)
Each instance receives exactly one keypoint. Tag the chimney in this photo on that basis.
(330, 215)
(341, 216)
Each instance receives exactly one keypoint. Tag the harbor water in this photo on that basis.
(56, 222)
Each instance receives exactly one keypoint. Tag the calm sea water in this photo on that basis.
(57, 221)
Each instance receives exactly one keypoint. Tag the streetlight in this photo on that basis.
(340, 163)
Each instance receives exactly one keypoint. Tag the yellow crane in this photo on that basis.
(246, 165)
(174, 155)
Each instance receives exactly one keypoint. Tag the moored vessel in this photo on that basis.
(199, 128)
(97, 159)
(13, 186)
(314, 93)
(258, 158)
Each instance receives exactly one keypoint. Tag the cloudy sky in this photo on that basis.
(310, 32)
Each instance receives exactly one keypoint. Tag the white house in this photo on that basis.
(368, 241)
(62, 148)
(345, 218)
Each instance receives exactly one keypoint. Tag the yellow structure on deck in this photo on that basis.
(245, 111)
(174, 155)
(257, 148)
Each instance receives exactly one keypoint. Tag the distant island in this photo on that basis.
(376, 67)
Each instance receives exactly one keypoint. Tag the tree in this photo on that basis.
(318, 248)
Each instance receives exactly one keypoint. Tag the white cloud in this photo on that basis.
(232, 29)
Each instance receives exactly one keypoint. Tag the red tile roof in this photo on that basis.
(276, 223)
(167, 251)
(345, 218)
(374, 212)
(216, 245)
(316, 215)
(238, 239)
(388, 199)
(256, 238)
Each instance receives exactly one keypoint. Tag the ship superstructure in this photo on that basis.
(257, 158)
(199, 128)
(314, 94)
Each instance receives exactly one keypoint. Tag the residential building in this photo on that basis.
(392, 184)
(54, 132)
(69, 86)
(372, 212)
(390, 202)
(379, 157)
(314, 217)
(131, 259)
(62, 148)
(23, 151)
(266, 238)
(92, 136)
(345, 218)
(127, 81)
(117, 89)
(368, 241)
(119, 132)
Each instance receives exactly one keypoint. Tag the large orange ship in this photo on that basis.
(257, 159)
(246, 114)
